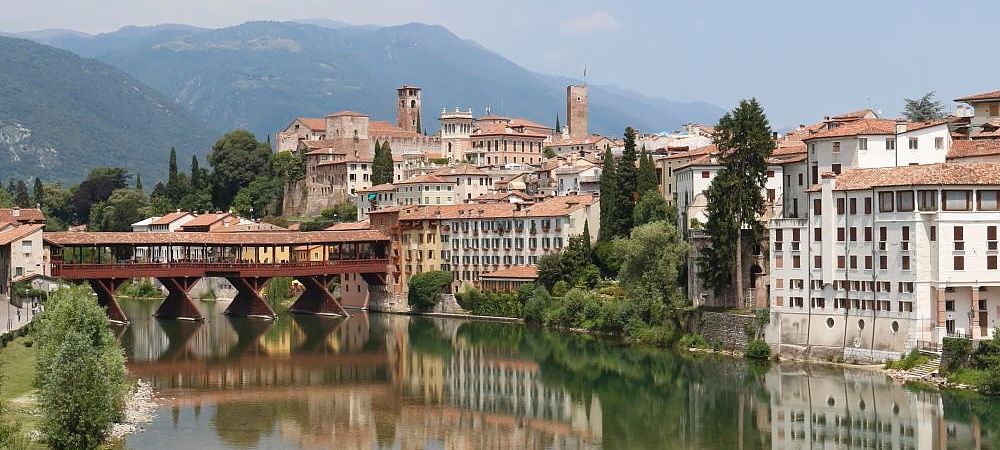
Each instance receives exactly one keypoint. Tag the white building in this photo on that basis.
(425, 190)
(887, 257)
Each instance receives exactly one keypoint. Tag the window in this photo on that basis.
(933, 233)
(817, 207)
(959, 233)
(949, 305)
(927, 200)
(841, 262)
(988, 200)
(853, 233)
(868, 262)
(883, 262)
(818, 262)
(959, 263)
(854, 261)
(841, 232)
(890, 144)
(862, 143)
(796, 262)
(904, 201)
(840, 206)
(882, 234)
(868, 234)
(835, 168)
(868, 205)
(938, 143)
(815, 174)
(705, 174)
(991, 262)
(885, 201)
(913, 143)
(905, 262)
(853, 206)
(818, 234)
(956, 200)
(796, 235)
(991, 233)
(779, 262)
(836, 148)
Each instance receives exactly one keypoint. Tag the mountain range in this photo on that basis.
(261, 75)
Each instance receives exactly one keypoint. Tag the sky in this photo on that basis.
(803, 60)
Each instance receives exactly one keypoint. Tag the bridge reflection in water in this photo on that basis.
(381, 381)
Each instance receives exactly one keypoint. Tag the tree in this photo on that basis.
(290, 168)
(38, 192)
(923, 109)
(118, 176)
(550, 269)
(123, 208)
(172, 167)
(558, 125)
(650, 261)
(382, 164)
(58, 207)
(21, 196)
(341, 212)
(627, 179)
(196, 175)
(260, 197)
(652, 207)
(236, 159)
(735, 197)
(549, 152)
(80, 371)
(6, 200)
(138, 181)
(425, 288)
(98, 186)
(609, 191)
(647, 174)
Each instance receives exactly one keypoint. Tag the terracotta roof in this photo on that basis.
(347, 226)
(461, 169)
(206, 220)
(429, 178)
(344, 160)
(523, 272)
(314, 123)
(711, 148)
(558, 206)
(14, 233)
(941, 174)
(789, 146)
(499, 196)
(861, 127)
(319, 144)
(500, 129)
(385, 187)
(379, 128)
(492, 117)
(214, 238)
(590, 140)
(859, 114)
(169, 218)
(487, 210)
(24, 215)
(347, 113)
(914, 126)
(262, 227)
(966, 148)
(519, 122)
(787, 158)
(994, 95)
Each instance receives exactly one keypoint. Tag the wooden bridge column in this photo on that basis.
(105, 289)
(247, 302)
(317, 299)
(178, 305)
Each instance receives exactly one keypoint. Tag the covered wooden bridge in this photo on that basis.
(246, 259)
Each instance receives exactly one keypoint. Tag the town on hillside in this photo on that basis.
(879, 235)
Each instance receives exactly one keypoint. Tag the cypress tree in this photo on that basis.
(627, 179)
(744, 141)
(647, 174)
(21, 196)
(172, 168)
(138, 181)
(195, 173)
(609, 194)
(38, 192)
(382, 164)
(558, 126)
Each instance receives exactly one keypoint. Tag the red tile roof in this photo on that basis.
(262, 227)
(347, 113)
(861, 127)
(558, 206)
(347, 226)
(521, 272)
(385, 187)
(967, 148)
(499, 129)
(380, 129)
(314, 123)
(429, 178)
(14, 233)
(461, 169)
(518, 122)
(206, 220)
(169, 218)
(993, 95)
(214, 238)
(487, 210)
(23, 215)
(941, 174)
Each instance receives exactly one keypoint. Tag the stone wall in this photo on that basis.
(724, 329)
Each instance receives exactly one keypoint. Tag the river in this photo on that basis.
(390, 381)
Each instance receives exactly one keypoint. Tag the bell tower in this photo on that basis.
(408, 108)
(576, 111)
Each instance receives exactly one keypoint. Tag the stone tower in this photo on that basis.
(576, 111)
(408, 109)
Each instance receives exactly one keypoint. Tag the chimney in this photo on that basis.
(900, 126)
(15, 212)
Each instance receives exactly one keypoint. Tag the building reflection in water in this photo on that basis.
(389, 381)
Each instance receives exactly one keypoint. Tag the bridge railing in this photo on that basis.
(58, 266)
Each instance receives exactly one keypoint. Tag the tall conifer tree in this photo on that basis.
(38, 192)
(647, 174)
(382, 164)
(627, 180)
(172, 168)
(609, 194)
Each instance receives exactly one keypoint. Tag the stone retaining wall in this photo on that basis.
(726, 330)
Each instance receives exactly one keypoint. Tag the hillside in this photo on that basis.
(259, 75)
(61, 115)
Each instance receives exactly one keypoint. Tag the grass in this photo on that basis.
(913, 359)
(18, 365)
(967, 376)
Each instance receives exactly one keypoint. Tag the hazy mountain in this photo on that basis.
(61, 115)
(260, 75)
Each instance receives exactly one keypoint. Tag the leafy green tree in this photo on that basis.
(6, 200)
(290, 168)
(98, 186)
(118, 176)
(259, 198)
(647, 174)
(80, 371)
(550, 269)
(652, 207)
(341, 212)
(159, 205)
(123, 208)
(735, 197)
(38, 192)
(650, 260)
(236, 159)
(549, 152)
(382, 164)
(627, 179)
(609, 197)
(923, 109)
(57, 206)
(425, 288)
(22, 197)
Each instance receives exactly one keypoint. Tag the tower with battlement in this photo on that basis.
(576, 111)
(408, 108)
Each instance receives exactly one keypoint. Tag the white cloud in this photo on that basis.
(597, 21)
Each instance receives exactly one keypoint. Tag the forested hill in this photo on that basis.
(61, 115)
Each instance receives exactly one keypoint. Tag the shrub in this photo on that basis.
(758, 349)
(425, 289)
(534, 308)
(80, 372)
(208, 296)
(141, 289)
(913, 359)
(693, 340)
(957, 353)
(649, 335)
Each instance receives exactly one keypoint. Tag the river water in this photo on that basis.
(390, 381)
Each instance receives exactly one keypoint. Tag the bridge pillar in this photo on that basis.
(105, 289)
(178, 305)
(247, 302)
(317, 299)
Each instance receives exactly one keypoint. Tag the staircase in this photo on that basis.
(925, 370)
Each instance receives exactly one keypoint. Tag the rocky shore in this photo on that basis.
(139, 407)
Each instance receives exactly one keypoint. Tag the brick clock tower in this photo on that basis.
(408, 109)
(576, 111)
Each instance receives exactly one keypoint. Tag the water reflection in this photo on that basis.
(381, 381)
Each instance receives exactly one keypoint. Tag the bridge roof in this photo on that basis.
(214, 238)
